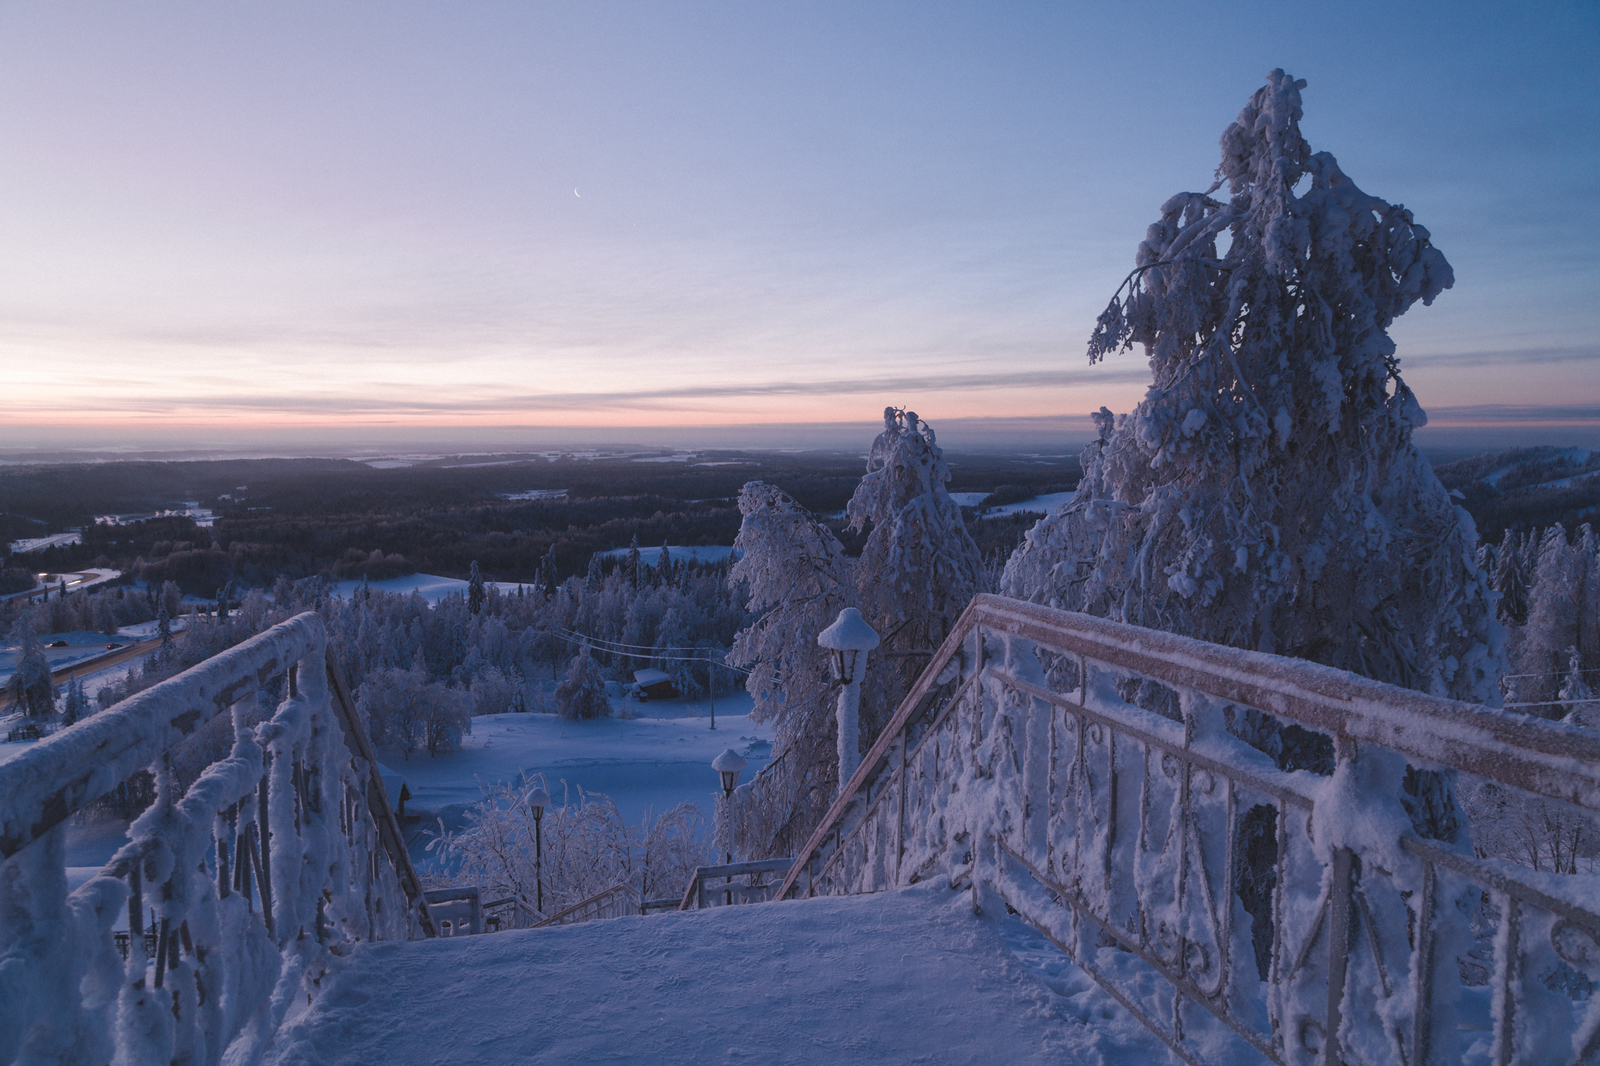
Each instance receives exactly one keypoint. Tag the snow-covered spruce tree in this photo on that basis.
(582, 693)
(799, 581)
(29, 685)
(1512, 608)
(1541, 649)
(475, 590)
(919, 567)
(1266, 493)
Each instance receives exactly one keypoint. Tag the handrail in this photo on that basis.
(621, 888)
(693, 895)
(1088, 775)
(1550, 759)
(62, 775)
(259, 874)
(378, 801)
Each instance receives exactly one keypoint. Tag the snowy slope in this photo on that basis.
(899, 977)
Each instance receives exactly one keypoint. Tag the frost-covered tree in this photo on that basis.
(29, 685)
(76, 705)
(582, 693)
(164, 631)
(1266, 493)
(919, 567)
(1509, 582)
(799, 581)
(1540, 648)
(475, 590)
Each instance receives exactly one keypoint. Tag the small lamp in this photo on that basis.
(847, 638)
(729, 764)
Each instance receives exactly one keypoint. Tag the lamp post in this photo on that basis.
(538, 800)
(728, 765)
(849, 638)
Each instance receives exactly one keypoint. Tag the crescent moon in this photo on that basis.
(575, 192)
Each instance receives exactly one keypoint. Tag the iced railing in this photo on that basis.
(619, 901)
(733, 883)
(1023, 764)
(277, 860)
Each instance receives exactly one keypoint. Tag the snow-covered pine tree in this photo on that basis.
(1509, 583)
(76, 706)
(799, 581)
(1539, 649)
(475, 590)
(634, 564)
(1266, 493)
(164, 631)
(29, 685)
(919, 567)
(1575, 694)
(582, 693)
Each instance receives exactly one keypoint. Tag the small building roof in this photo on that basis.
(650, 677)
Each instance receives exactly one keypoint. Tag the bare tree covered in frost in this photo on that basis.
(1266, 493)
(587, 848)
(799, 580)
(919, 568)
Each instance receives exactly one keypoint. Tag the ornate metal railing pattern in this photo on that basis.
(275, 861)
(1242, 913)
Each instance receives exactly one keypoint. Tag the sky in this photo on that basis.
(292, 221)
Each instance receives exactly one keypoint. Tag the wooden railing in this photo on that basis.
(278, 858)
(1088, 774)
(619, 901)
(714, 886)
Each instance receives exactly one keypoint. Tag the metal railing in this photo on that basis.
(280, 856)
(758, 884)
(1089, 774)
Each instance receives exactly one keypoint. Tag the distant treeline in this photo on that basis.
(339, 520)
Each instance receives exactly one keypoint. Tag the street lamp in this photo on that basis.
(538, 800)
(849, 638)
(728, 764)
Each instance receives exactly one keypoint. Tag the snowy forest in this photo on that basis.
(1266, 494)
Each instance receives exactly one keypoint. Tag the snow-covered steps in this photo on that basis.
(911, 976)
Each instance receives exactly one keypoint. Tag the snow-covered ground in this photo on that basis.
(54, 540)
(431, 587)
(969, 499)
(704, 553)
(899, 977)
(1041, 504)
(655, 762)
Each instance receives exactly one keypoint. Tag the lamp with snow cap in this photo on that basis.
(729, 764)
(538, 799)
(849, 638)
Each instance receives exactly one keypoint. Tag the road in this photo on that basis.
(93, 665)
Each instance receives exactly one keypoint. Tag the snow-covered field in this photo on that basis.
(431, 587)
(705, 553)
(899, 977)
(1040, 504)
(647, 763)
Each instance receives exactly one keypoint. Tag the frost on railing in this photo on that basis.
(1085, 773)
(734, 883)
(240, 893)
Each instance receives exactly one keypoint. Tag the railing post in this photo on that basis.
(1338, 950)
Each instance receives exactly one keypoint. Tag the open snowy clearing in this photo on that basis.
(703, 553)
(430, 587)
(641, 763)
(900, 977)
(1039, 505)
